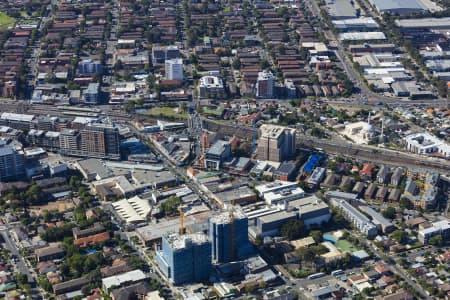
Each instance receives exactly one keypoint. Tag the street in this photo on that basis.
(20, 263)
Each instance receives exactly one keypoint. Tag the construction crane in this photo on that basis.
(232, 244)
(180, 209)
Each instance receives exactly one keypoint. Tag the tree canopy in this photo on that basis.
(294, 229)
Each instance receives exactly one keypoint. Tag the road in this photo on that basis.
(397, 269)
(365, 95)
(20, 263)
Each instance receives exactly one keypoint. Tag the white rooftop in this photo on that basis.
(359, 36)
(132, 210)
(17, 117)
(118, 280)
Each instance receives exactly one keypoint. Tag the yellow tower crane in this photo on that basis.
(180, 209)
(232, 243)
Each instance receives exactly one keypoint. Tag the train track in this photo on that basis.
(378, 155)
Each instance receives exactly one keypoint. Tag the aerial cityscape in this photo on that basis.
(209, 149)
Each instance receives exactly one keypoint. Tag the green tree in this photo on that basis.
(44, 283)
(389, 212)
(436, 240)
(405, 203)
(236, 64)
(400, 236)
(316, 235)
(294, 229)
(21, 279)
(170, 207)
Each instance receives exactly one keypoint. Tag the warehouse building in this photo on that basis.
(399, 7)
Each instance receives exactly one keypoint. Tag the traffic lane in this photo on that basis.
(11, 246)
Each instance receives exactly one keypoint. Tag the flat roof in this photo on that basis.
(424, 23)
(357, 36)
(218, 147)
(17, 117)
(357, 21)
(239, 193)
(155, 231)
(341, 8)
(95, 166)
(273, 131)
(281, 215)
(183, 241)
(398, 5)
(224, 217)
(273, 186)
(308, 204)
(118, 280)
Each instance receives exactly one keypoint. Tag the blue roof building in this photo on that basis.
(312, 162)
(229, 242)
(185, 258)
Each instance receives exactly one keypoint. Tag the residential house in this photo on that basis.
(370, 191)
(383, 175)
(397, 176)
(49, 253)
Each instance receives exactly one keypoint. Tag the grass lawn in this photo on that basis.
(168, 112)
(345, 245)
(6, 21)
(215, 112)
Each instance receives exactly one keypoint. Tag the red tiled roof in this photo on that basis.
(92, 239)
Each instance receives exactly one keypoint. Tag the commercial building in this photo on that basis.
(11, 163)
(340, 9)
(286, 171)
(210, 86)
(123, 279)
(91, 94)
(399, 7)
(265, 84)
(356, 24)
(162, 53)
(240, 195)
(316, 177)
(423, 23)
(311, 210)
(275, 187)
(436, 228)
(360, 221)
(276, 143)
(426, 143)
(229, 236)
(217, 154)
(284, 195)
(269, 225)
(362, 36)
(185, 258)
(133, 210)
(174, 69)
(89, 66)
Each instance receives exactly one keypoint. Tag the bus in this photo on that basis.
(337, 272)
(315, 276)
